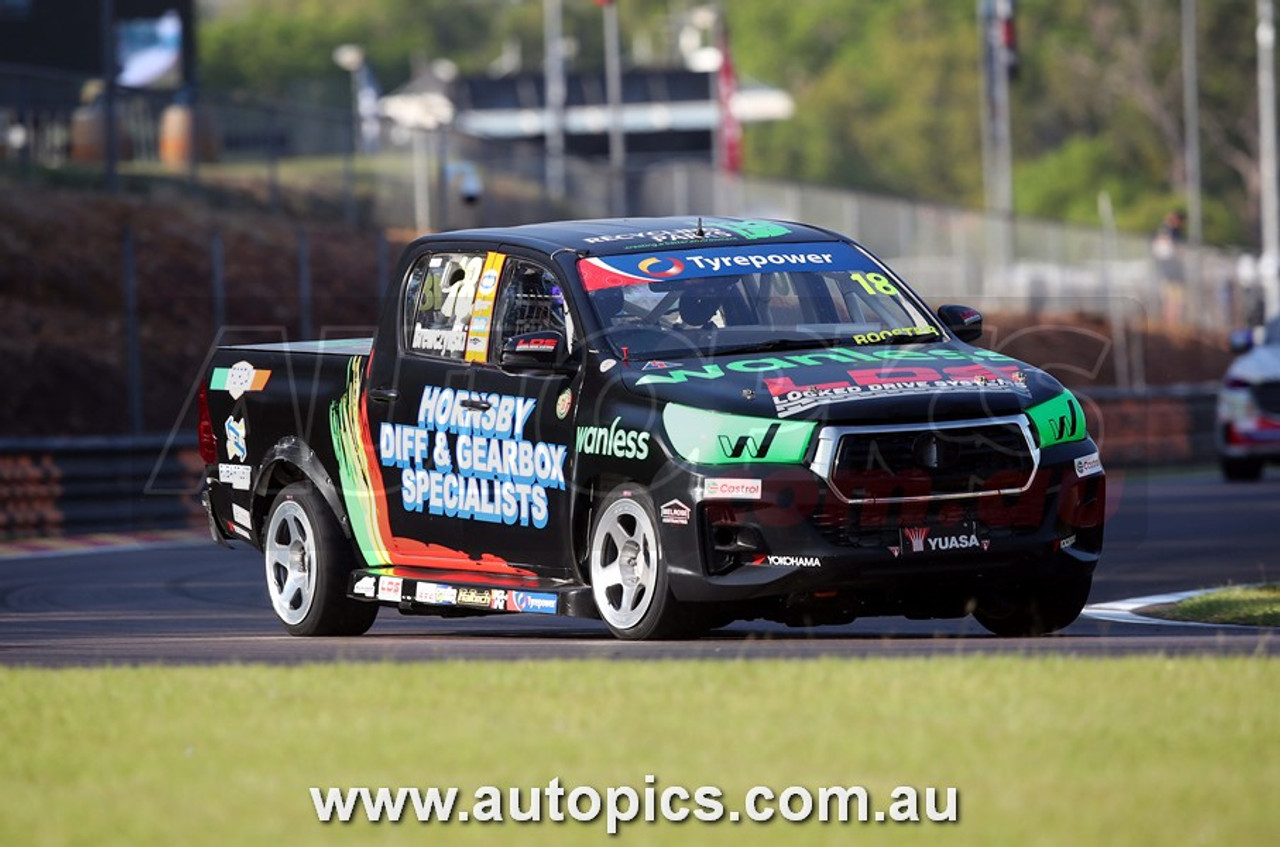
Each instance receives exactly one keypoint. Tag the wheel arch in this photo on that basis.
(586, 501)
(292, 460)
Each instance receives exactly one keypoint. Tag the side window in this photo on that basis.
(439, 295)
(530, 300)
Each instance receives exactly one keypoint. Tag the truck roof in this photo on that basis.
(616, 236)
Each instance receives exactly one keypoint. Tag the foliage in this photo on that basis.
(888, 94)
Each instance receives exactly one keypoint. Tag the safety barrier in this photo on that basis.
(66, 486)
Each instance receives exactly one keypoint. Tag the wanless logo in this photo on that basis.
(745, 444)
(1066, 426)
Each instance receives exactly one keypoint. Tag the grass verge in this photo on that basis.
(1257, 605)
(1043, 751)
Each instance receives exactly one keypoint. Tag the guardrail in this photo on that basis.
(65, 486)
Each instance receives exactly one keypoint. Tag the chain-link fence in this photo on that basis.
(286, 157)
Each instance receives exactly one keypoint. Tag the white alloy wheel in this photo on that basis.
(624, 564)
(291, 562)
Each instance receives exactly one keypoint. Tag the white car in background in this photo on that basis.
(1248, 431)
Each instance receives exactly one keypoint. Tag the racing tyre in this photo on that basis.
(1241, 470)
(1047, 606)
(307, 564)
(628, 576)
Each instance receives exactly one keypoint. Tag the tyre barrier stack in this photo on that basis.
(70, 486)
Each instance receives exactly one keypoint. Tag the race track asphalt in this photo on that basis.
(194, 602)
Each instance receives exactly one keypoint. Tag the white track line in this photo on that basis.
(1123, 611)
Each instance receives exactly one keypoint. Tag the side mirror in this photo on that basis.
(1240, 341)
(536, 351)
(963, 322)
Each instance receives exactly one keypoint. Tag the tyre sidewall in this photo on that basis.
(658, 620)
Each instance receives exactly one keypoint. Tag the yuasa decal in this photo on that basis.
(486, 472)
(732, 489)
(923, 539)
(613, 441)
(238, 379)
(235, 430)
(528, 601)
(237, 476)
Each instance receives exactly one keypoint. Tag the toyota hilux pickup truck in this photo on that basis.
(668, 424)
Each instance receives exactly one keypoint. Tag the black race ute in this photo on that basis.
(669, 424)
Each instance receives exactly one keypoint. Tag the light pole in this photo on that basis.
(350, 57)
(1269, 267)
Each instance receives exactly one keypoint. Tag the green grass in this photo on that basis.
(1043, 751)
(1246, 605)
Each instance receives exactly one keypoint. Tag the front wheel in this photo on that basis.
(1046, 606)
(307, 564)
(628, 575)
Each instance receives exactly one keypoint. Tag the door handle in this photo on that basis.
(477, 405)
(384, 395)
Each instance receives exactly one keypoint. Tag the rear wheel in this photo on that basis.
(628, 575)
(1241, 470)
(307, 564)
(1046, 606)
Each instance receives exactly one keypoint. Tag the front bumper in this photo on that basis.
(799, 538)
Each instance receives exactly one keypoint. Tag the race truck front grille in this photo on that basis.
(1267, 396)
(932, 461)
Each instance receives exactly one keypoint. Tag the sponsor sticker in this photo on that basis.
(613, 441)
(564, 403)
(607, 365)
(390, 588)
(481, 597)
(1088, 465)
(239, 530)
(237, 476)
(241, 516)
(529, 601)
(365, 586)
(1067, 543)
(238, 379)
(732, 489)
(435, 594)
(235, 439)
(926, 539)
(676, 513)
(438, 340)
(463, 462)
(789, 561)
